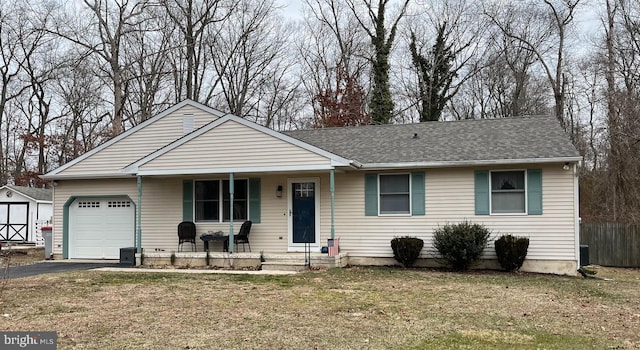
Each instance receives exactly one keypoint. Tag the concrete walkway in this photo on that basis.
(46, 267)
(197, 271)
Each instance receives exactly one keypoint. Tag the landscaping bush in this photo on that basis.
(460, 245)
(406, 249)
(511, 251)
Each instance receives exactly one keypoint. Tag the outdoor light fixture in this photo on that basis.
(279, 191)
(565, 166)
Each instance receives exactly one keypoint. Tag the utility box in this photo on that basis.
(584, 255)
(128, 256)
(47, 236)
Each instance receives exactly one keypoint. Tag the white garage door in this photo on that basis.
(99, 227)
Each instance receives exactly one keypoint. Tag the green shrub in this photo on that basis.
(406, 249)
(460, 245)
(511, 251)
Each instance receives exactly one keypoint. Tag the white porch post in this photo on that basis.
(230, 212)
(332, 190)
(139, 221)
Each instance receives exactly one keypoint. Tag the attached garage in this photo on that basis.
(99, 227)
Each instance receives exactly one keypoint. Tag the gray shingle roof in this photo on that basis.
(517, 138)
(39, 194)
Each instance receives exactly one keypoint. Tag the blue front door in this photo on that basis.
(303, 207)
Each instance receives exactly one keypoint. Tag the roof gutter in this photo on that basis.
(355, 164)
(87, 176)
(466, 163)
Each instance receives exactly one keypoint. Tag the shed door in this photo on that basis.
(14, 221)
(99, 227)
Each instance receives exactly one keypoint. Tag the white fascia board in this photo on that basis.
(8, 187)
(266, 169)
(133, 168)
(467, 163)
(131, 131)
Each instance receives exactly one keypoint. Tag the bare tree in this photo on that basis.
(333, 52)
(19, 42)
(622, 42)
(560, 14)
(148, 84)
(84, 120)
(508, 83)
(242, 52)
(103, 36)
(194, 19)
(609, 179)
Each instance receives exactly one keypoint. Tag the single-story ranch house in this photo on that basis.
(364, 185)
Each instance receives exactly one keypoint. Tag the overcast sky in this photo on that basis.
(292, 8)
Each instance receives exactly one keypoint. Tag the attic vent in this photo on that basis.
(188, 123)
(415, 136)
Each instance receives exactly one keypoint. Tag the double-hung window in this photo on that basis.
(212, 200)
(508, 192)
(395, 194)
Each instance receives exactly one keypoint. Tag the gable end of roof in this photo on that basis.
(136, 128)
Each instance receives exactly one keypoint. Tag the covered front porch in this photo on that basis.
(232, 171)
(290, 212)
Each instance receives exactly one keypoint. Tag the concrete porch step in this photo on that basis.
(298, 259)
(283, 266)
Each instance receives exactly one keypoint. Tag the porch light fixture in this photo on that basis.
(566, 166)
(279, 191)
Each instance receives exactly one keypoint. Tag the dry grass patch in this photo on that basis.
(15, 257)
(355, 308)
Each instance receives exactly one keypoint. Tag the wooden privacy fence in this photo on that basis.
(612, 244)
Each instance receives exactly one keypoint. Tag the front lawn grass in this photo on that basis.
(351, 308)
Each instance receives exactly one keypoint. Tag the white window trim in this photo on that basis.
(220, 199)
(410, 196)
(526, 193)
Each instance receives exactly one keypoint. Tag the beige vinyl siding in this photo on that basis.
(234, 145)
(450, 199)
(162, 212)
(65, 189)
(111, 160)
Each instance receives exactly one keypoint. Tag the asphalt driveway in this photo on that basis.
(54, 267)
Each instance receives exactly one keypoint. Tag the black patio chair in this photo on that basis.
(186, 234)
(241, 238)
